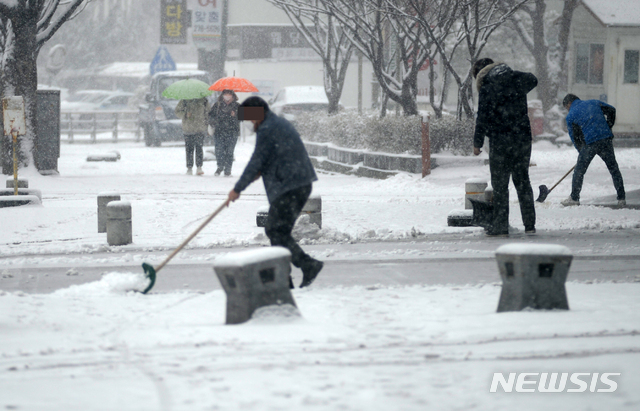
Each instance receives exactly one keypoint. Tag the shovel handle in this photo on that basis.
(563, 177)
(186, 241)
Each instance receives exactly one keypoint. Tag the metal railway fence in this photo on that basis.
(89, 125)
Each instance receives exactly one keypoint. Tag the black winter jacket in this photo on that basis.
(502, 106)
(222, 121)
(279, 157)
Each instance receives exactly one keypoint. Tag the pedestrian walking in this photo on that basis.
(503, 119)
(223, 117)
(193, 114)
(589, 123)
(281, 159)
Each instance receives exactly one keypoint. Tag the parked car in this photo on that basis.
(94, 100)
(294, 100)
(158, 114)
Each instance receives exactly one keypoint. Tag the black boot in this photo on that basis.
(310, 272)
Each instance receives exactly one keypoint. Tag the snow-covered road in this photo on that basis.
(381, 329)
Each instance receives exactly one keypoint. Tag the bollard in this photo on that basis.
(22, 183)
(533, 275)
(313, 207)
(488, 195)
(254, 279)
(119, 230)
(103, 200)
(474, 189)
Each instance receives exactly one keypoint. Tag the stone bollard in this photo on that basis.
(313, 207)
(488, 194)
(119, 230)
(254, 279)
(533, 275)
(103, 200)
(22, 183)
(474, 189)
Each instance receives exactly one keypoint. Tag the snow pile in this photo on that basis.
(365, 347)
(113, 282)
(274, 314)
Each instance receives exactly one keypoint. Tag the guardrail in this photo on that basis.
(74, 123)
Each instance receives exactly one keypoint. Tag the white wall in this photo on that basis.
(303, 73)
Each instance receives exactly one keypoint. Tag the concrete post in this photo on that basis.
(254, 279)
(119, 230)
(488, 194)
(103, 200)
(474, 189)
(313, 207)
(533, 275)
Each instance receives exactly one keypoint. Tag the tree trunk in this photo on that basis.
(21, 76)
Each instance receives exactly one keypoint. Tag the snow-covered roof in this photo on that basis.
(615, 12)
(138, 69)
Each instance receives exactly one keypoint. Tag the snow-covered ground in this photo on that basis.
(96, 347)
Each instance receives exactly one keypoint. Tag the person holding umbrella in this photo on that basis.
(281, 159)
(224, 119)
(192, 109)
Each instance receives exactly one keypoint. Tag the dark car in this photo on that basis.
(158, 115)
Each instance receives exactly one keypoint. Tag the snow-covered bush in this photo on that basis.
(449, 134)
(348, 129)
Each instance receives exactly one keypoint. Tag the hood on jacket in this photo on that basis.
(484, 73)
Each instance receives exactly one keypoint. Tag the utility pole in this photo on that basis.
(359, 82)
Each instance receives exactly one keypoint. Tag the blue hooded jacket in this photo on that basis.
(586, 121)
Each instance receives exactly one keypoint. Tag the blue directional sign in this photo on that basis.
(162, 61)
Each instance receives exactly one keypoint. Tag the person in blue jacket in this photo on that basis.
(589, 123)
(281, 159)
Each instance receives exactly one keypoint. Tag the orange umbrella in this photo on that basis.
(237, 84)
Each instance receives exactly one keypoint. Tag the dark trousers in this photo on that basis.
(194, 142)
(283, 213)
(513, 162)
(225, 146)
(604, 149)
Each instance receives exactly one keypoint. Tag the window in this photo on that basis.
(589, 63)
(631, 60)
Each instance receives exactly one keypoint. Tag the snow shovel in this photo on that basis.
(151, 272)
(544, 191)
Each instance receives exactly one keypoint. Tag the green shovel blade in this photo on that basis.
(150, 272)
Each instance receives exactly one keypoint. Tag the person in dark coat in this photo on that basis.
(281, 159)
(503, 119)
(223, 117)
(589, 123)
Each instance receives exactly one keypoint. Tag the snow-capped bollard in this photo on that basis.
(533, 275)
(261, 216)
(460, 218)
(313, 207)
(474, 189)
(119, 230)
(22, 183)
(488, 194)
(254, 279)
(103, 200)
